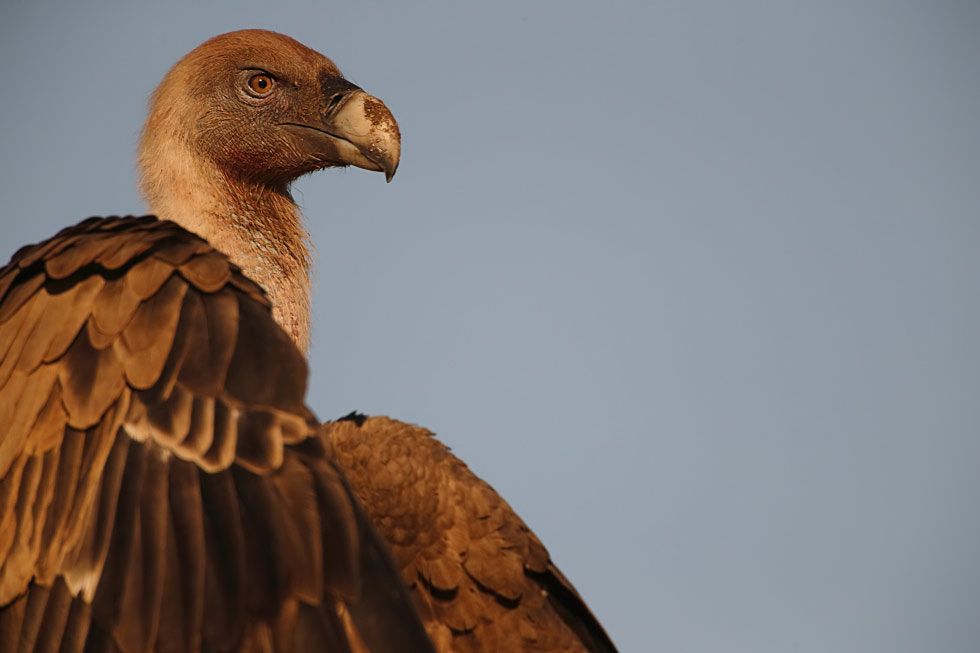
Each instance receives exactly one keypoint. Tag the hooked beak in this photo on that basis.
(357, 129)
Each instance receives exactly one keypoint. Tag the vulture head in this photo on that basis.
(231, 125)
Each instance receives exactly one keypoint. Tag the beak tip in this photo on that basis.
(364, 133)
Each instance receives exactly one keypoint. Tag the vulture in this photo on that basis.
(163, 484)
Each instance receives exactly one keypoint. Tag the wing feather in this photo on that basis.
(162, 485)
(114, 306)
(481, 579)
(184, 600)
(18, 330)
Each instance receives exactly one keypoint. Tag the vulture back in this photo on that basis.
(483, 581)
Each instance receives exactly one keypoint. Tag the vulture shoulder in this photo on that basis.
(162, 486)
(481, 579)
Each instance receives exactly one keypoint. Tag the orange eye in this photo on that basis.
(260, 84)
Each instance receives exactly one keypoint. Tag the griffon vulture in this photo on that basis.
(163, 487)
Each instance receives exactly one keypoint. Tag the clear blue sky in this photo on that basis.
(695, 287)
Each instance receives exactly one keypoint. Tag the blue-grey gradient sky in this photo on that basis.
(694, 285)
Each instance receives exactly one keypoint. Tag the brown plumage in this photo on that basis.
(482, 580)
(162, 484)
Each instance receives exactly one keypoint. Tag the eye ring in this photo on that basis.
(260, 85)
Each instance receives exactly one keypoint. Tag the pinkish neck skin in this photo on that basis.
(259, 227)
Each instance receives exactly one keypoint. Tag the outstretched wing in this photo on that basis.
(482, 580)
(161, 483)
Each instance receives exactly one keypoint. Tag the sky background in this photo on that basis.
(693, 285)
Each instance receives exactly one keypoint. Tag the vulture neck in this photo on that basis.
(257, 225)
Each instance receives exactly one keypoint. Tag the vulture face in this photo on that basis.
(262, 106)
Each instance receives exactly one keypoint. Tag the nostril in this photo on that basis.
(335, 100)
